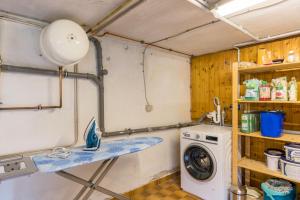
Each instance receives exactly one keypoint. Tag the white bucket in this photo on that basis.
(290, 169)
(272, 158)
(292, 152)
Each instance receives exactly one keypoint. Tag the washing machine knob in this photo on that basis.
(186, 135)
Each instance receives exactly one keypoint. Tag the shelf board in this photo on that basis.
(261, 167)
(268, 102)
(286, 137)
(270, 68)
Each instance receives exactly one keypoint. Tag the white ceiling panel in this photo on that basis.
(281, 18)
(157, 19)
(87, 12)
(212, 38)
(154, 20)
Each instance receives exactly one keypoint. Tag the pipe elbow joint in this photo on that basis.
(104, 72)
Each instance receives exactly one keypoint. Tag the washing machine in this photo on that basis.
(206, 161)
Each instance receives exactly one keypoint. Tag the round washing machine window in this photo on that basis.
(200, 162)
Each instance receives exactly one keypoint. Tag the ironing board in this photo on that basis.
(109, 153)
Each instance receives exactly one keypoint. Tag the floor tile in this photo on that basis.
(162, 190)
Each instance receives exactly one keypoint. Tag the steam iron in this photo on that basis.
(92, 136)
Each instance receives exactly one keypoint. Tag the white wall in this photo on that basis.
(168, 81)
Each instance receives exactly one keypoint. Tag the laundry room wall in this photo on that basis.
(168, 83)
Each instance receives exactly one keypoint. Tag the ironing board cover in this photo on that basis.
(108, 149)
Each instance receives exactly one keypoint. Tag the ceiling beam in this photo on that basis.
(114, 15)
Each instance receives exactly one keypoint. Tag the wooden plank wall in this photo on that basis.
(211, 76)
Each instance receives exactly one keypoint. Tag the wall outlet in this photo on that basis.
(12, 166)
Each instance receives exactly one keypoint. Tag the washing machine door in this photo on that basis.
(200, 162)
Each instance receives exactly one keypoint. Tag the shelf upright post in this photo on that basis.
(235, 137)
(247, 141)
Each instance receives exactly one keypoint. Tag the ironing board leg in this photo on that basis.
(110, 193)
(96, 173)
(102, 170)
(96, 183)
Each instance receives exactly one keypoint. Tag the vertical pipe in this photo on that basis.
(100, 74)
(76, 117)
(60, 87)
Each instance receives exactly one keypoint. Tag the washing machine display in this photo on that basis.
(200, 162)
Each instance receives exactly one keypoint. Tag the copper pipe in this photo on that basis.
(117, 13)
(41, 107)
(143, 42)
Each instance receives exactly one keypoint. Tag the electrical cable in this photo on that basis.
(60, 152)
(144, 78)
(186, 31)
(163, 39)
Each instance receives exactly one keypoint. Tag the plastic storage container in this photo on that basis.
(271, 123)
(278, 189)
(245, 193)
(273, 157)
(238, 193)
(290, 169)
(292, 152)
(250, 122)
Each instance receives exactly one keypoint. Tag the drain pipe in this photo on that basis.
(100, 74)
(156, 128)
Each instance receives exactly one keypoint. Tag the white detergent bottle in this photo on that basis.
(292, 92)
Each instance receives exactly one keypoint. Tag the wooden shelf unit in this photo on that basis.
(268, 102)
(261, 167)
(270, 68)
(246, 163)
(285, 137)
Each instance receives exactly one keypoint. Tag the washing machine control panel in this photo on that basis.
(200, 137)
(193, 136)
(211, 138)
(187, 135)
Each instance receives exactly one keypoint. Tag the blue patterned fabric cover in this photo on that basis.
(108, 149)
